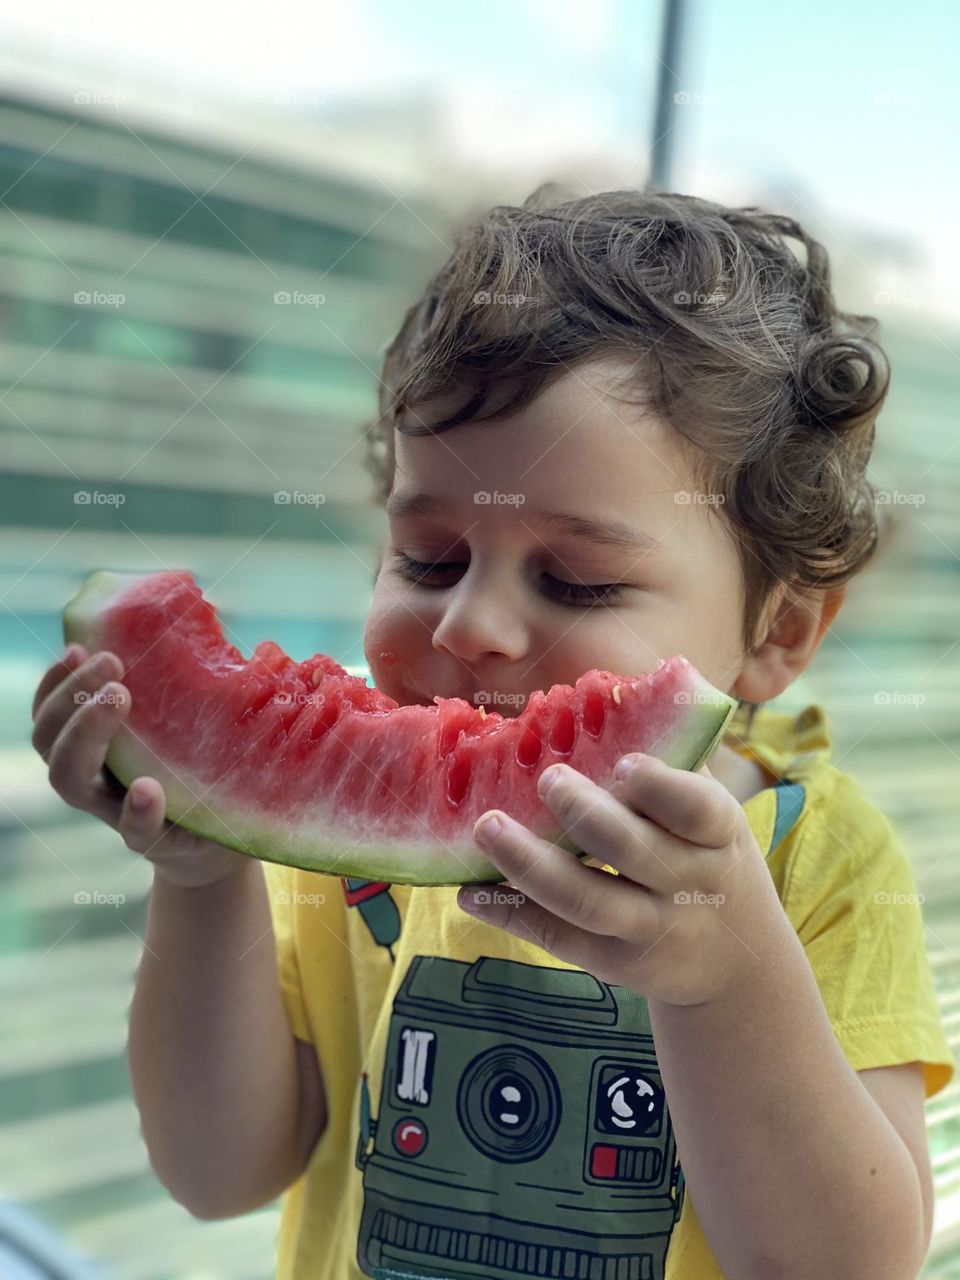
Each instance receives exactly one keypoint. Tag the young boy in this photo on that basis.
(612, 430)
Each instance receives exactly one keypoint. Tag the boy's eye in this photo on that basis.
(418, 570)
(421, 571)
(582, 592)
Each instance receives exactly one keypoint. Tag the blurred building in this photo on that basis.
(192, 310)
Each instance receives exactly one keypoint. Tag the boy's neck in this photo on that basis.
(741, 775)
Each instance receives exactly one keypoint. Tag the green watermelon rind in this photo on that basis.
(400, 862)
(394, 863)
(81, 611)
(697, 734)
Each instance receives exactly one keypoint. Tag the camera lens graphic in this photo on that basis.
(628, 1102)
(508, 1103)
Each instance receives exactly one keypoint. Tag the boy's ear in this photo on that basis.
(798, 623)
(830, 607)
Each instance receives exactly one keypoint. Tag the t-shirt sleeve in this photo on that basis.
(852, 896)
(280, 892)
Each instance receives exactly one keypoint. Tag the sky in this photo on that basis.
(852, 108)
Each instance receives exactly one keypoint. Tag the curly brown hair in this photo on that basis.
(728, 336)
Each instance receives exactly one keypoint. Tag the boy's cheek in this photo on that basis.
(394, 640)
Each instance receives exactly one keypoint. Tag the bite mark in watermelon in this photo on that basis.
(304, 764)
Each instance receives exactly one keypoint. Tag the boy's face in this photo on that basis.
(495, 618)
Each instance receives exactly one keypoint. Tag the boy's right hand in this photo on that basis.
(72, 732)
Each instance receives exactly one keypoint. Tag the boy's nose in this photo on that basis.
(479, 623)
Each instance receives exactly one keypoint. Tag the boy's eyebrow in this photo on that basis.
(608, 533)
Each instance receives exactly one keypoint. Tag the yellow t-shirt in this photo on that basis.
(495, 1112)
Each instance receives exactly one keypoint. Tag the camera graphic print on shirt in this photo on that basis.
(521, 1129)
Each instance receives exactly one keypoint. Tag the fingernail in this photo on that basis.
(624, 765)
(104, 664)
(548, 778)
(488, 829)
(140, 798)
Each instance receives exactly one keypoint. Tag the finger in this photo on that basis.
(605, 827)
(142, 820)
(73, 655)
(78, 754)
(556, 879)
(531, 922)
(694, 806)
(64, 698)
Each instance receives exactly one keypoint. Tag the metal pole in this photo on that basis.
(662, 150)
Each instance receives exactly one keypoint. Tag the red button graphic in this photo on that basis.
(603, 1162)
(409, 1137)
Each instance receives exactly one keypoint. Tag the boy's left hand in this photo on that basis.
(694, 909)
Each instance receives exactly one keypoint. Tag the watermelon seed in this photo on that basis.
(483, 713)
(616, 694)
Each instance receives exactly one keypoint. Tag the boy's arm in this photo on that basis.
(793, 1168)
(231, 1104)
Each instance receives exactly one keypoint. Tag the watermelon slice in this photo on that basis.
(303, 764)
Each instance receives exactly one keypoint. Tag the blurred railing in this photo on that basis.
(889, 675)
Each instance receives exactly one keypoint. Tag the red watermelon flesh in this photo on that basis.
(301, 763)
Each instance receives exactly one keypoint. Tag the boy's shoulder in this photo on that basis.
(848, 887)
(792, 745)
(839, 855)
